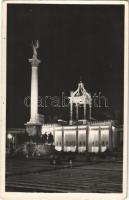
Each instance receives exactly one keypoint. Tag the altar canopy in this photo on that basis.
(80, 97)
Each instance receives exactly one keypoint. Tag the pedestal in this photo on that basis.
(33, 129)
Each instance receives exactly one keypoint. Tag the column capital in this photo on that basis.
(34, 61)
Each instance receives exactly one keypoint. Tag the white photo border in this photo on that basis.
(57, 196)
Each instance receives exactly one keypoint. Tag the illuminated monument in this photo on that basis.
(78, 135)
(33, 127)
(80, 97)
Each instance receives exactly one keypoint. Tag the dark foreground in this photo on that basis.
(40, 176)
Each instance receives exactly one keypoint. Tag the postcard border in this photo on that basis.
(54, 196)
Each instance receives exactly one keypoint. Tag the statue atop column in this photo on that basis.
(34, 60)
(33, 127)
(35, 47)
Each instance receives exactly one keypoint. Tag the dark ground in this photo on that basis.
(83, 177)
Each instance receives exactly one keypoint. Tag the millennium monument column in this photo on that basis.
(33, 127)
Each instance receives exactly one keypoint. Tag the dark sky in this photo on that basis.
(75, 41)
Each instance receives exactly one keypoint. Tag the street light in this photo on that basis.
(10, 136)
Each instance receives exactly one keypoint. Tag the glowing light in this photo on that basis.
(70, 127)
(113, 128)
(10, 136)
(93, 127)
(58, 140)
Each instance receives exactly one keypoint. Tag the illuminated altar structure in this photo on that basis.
(80, 97)
(85, 134)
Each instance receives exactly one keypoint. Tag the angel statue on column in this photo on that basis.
(35, 47)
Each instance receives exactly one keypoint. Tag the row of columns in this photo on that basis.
(87, 139)
(77, 113)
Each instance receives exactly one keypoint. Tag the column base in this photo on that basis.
(33, 129)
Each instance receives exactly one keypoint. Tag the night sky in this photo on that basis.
(76, 41)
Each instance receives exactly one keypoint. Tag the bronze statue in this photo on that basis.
(34, 60)
(35, 47)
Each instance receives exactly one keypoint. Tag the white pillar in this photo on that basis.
(33, 127)
(77, 112)
(71, 109)
(71, 113)
(34, 94)
(34, 90)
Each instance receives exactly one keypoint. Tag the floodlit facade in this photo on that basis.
(92, 137)
(82, 135)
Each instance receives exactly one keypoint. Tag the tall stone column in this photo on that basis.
(33, 127)
(34, 90)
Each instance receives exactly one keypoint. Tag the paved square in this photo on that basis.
(39, 176)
